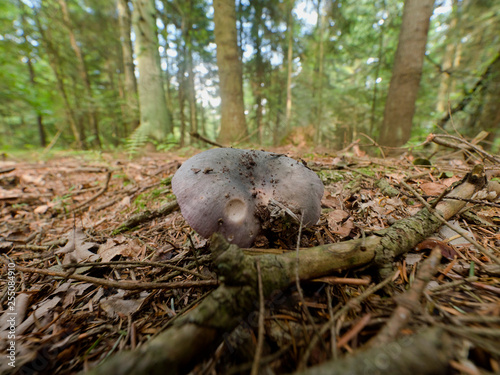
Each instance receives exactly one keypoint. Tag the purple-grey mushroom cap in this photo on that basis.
(219, 190)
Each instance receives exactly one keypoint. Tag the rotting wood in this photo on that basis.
(177, 349)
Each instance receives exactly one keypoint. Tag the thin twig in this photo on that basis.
(456, 229)
(352, 303)
(484, 154)
(299, 289)
(129, 264)
(206, 140)
(333, 336)
(96, 195)
(260, 335)
(408, 302)
(123, 284)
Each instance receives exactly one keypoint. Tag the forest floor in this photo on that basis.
(64, 259)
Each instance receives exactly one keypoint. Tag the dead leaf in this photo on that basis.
(125, 202)
(116, 304)
(113, 247)
(32, 180)
(42, 310)
(77, 250)
(446, 250)
(41, 209)
(432, 188)
(412, 258)
(336, 223)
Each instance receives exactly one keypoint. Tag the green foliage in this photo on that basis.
(40, 80)
(137, 140)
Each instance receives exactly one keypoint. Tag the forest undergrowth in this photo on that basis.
(87, 287)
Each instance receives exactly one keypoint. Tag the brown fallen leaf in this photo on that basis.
(77, 250)
(116, 304)
(446, 250)
(432, 188)
(118, 246)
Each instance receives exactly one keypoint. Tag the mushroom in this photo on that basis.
(220, 190)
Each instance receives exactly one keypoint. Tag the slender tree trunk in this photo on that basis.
(82, 70)
(240, 28)
(406, 73)
(289, 30)
(39, 119)
(377, 71)
(31, 70)
(54, 64)
(489, 117)
(167, 75)
(130, 82)
(258, 82)
(193, 117)
(448, 60)
(118, 120)
(321, 55)
(280, 84)
(168, 90)
(182, 96)
(233, 125)
(152, 102)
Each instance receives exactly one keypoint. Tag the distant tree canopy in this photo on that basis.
(312, 72)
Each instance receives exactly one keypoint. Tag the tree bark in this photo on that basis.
(24, 24)
(233, 125)
(377, 71)
(321, 58)
(489, 117)
(221, 311)
(289, 30)
(82, 71)
(130, 82)
(54, 63)
(448, 61)
(258, 81)
(152, 102)
(193, 116)
(406, 73)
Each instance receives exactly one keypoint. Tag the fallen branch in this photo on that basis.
(123, 284)
(145, 216)
(408, 302)
(469, 95)
(206, 140)
(96, 195)
(191, 337)
(424, 353)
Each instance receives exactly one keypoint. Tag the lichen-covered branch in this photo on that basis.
(182, 345)
(424, 353)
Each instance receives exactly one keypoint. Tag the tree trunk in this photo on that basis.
(233, 125)
(182, 98)
(377, 71)
(152, 102)
(82, 71)
(406, 73)
(54, 63)
(258, 81)
(130, 82)
(289, 30)
(39, 120)
(321, 54)
(489, 117)
(448, 60)
(193, 117)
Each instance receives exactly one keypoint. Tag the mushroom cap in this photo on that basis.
(219, 190)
